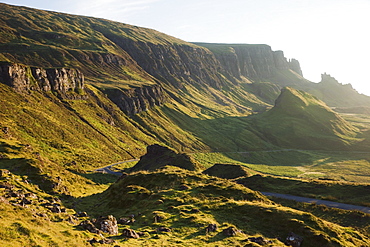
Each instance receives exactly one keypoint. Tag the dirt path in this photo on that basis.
(319, 202)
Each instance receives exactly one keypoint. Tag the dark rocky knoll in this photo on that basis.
(158, 156)
(229, 171)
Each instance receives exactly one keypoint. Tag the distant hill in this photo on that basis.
(300, 120)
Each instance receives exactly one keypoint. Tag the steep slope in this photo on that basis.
(47, 133)
(177, 93)
(113, 56)
(260, 64)
(300, 120)
(256, 62)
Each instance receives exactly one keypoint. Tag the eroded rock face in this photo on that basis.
(136, 100)
(256, 62)
(295, 66)
(15, 75)
(60, 80)
(173, 63)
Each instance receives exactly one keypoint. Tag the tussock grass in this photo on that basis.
(187, 211)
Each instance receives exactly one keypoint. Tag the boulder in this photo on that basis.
(211, 228)
(259, 240)
(88, 225)
(4, 173)
(157, 218)
(56, 209)
(129, 233)
(230, 232)
(293, 240)
(81, 214)
(3, 200)
(107, 224)
(163, 229)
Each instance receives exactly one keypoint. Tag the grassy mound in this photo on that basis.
(229, 171)
(186, 202)
(158, 156)
(300, 120)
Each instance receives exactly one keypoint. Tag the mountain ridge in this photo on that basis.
(90, 92)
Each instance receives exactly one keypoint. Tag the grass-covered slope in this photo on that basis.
(300, 120)
(47, 136)
(185, 203)
(49, 39)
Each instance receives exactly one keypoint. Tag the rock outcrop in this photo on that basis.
(256, 62)
(136, 100)
(295, 66)
(158, 156)
(229, 171)
(174, 64)
(63, 81)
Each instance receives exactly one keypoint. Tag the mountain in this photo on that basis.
(260, 64)
(80, 93)
(300, 120)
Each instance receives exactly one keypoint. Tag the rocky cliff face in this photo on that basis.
(136, 100)
(173, 63)
(256, 62)
(295, 66)
(63, 81)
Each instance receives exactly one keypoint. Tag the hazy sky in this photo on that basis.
(329, 36)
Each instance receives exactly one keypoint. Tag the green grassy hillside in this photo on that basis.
(143, 87)
(299, 120)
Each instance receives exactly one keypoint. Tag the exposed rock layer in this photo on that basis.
(136, 100)
(252, 61)
(63, 81)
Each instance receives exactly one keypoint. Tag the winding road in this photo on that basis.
(107, 169)
(319, 202)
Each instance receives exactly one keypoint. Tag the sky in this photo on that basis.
(325, 36)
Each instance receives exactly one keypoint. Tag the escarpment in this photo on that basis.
(295, 66)
(256, 62)
(136, 100)
(63, 81)
(173, 63)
